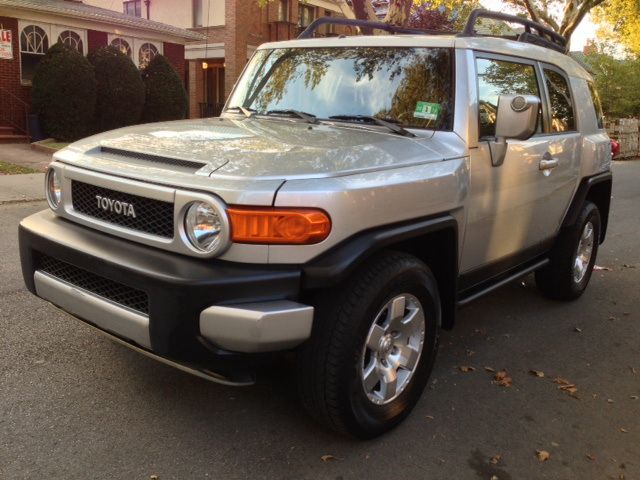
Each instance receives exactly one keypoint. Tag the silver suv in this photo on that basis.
(354, 194)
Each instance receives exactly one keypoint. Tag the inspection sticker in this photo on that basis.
(426, 110)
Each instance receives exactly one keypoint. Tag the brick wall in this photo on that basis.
(96, 39)
(175, 56)
(10, 69)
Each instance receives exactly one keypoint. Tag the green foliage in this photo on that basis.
(166, 98)
(64, 93)
(618, 83)
(121, 91)
(619, 21)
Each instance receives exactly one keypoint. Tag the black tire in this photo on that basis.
(556, 280)
(329, 364)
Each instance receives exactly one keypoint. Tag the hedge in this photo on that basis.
(166, 98)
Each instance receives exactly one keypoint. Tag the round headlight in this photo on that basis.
(204, 226)
(54, 188)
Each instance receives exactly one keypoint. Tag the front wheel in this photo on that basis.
(572, 258)
(372, 347)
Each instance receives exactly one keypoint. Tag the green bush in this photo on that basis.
(166, 98)
(120, 90)
(64, 93)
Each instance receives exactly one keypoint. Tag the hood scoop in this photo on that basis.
(149, 157)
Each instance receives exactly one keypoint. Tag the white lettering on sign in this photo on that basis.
(6, 45)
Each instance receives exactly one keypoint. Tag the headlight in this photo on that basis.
(204, 226)
(53, 188)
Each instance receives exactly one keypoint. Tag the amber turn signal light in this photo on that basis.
(278, 226)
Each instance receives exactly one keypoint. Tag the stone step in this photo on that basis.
(6, 130)
(13, 138)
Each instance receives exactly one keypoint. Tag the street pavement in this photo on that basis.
(74, 405)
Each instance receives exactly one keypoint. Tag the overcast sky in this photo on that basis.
(584, 32)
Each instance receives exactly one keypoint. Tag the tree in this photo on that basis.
(620, 21)
(64, 93)
(617, 81)
(166, 98)
(120, 92)
(570, 13)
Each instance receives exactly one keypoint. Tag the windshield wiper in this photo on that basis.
(248, 112)
(378, 121)
(307, 117)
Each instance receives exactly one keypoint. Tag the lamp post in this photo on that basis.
(147, 4)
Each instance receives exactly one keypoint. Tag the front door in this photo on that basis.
(515, 207)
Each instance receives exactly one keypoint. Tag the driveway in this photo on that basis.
(74, 405)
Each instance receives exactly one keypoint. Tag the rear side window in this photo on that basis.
(597, 104)
(499, 77)
(562, 116)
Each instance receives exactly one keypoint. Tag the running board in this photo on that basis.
(502, 282)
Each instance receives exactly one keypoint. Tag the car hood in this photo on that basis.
(254, 148)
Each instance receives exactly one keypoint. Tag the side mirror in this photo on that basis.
(517, 119)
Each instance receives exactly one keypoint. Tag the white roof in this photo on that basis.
(480, 43)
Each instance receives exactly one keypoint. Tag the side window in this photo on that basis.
(597, 104)
(499, 77)
(562, 117)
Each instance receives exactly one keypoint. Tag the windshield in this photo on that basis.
(408, 86)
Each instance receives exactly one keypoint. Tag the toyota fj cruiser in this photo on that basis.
(354, 193)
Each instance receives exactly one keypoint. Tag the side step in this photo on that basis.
(501, 281)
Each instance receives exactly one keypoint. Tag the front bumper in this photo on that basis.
(198, 311)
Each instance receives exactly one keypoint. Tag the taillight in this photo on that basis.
(278, 226)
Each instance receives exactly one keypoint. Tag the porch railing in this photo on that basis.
(14, 111)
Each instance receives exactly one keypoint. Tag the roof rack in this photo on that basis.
(544, 36)
(392, 29)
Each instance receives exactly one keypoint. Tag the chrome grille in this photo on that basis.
(154, 217)
(103, 287)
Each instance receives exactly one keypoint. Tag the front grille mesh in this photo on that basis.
(154, 217)
(116, 292)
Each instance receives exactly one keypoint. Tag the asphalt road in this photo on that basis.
(74, 405)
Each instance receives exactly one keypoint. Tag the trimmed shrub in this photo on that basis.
(166, 98)
(120, 90)
(64, 93)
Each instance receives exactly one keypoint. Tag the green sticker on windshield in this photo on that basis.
(426, 110)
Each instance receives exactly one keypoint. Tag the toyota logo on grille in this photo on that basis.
(116, 206)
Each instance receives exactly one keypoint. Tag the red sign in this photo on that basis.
(6, 45)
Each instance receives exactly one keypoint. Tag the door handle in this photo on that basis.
(548, 162)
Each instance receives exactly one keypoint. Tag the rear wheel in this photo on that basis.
(572, 258)
(372, 348)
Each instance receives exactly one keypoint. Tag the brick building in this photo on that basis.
(233, 30)
(30, 27)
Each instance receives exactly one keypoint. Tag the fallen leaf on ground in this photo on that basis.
(591, 457)
(537, 373)
(561, 381)
(612, 318)
(626, 265)
(624, 430)
(328, 458)
(555, 444)
(542, 455)
(429, 417)
(489, 369)
(633, 370)
(568, 388)
(502, 379)
(577, 329)
(494, 477)
(495, 460)
(634, 397)
(466, 368)
(598, 268)
(470, 353)
(609, 400)
(153, 477)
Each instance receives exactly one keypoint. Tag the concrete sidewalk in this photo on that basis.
(21, 188)
(22, 154)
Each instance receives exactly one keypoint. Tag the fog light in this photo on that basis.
(204, 226)
(53, 188)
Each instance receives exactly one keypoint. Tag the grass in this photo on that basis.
(10, 169)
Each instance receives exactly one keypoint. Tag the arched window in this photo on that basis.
(34, 43)
(71, 39)
(122, 45)
(146, 54)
